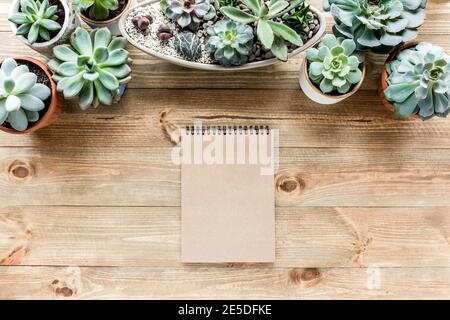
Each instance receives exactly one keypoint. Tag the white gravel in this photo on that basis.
(152, 41)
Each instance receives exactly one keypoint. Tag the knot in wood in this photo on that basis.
(290, 184)
(20, 170)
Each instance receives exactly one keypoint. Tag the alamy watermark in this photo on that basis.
(228, 145)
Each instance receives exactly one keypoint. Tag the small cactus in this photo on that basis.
(164, 32)
(188, 45)
(142, 23)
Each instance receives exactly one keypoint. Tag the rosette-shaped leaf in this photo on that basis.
(230, 42)
(35, 20)
(379, 25)
(98, 9)
(21, 97)
(419, 82)
(333, 65)
(92, 66)
(188, 13)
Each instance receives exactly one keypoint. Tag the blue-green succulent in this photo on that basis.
(419, 82)
(21, 96)
(93, 67)
(230, 42)
(36, 20)
(378, 25)
(334, 65)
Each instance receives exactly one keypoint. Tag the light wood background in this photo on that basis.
(90, 207)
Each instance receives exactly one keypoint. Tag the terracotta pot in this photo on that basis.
(312, 92)
(53, 110)
(111, 24)
(382, 84)
(71, 22)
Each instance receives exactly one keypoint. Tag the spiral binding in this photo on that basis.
(227, 130)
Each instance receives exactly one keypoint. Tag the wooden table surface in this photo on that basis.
(90, 207)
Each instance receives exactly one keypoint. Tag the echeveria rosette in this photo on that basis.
(419, 82)
(35, 19)
(334, 65)
(378, 25)
(273, 35)
(92, 66)
(21, 97)
(188, 13)
(98, 9)
(230, 42)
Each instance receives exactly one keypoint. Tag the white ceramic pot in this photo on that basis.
(111, 24)
(216, 67)
(318, 96)
(71, 22)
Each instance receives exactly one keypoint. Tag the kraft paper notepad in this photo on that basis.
(228, 210)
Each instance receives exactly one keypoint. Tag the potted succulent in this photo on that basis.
(103, 13)
(333, 71)
(377, 25)
(42, 24)
(223, 34)
(28, 97)
(415, 82)
(95, 67)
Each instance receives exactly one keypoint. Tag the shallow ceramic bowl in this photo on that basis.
(217, 67)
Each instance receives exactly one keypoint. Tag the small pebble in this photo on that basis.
(269, 55)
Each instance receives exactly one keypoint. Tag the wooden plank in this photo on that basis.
(360, 121)
(149, 236)
(146, 177)
(216, 282)
(149, 72)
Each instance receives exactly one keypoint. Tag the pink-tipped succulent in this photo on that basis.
(188, 13)
(142, 23)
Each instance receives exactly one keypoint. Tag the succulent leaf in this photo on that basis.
(378, 25)
(97, 9)
(418, 82)
(188, 13)
(36, 19)
(272, 34)
(230, 42)
(188, 45)
(19, 93)
(91, 67)
(333, 65)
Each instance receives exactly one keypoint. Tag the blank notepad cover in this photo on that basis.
(228, 213)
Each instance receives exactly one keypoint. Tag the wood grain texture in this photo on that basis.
(222, 282)
(359, 122)
(150, 237)
(147, 177)
(89, 207)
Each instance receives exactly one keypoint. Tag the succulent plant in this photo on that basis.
(273, 35)
(299, 18)
(230, 42)
(378, 25)
(333, 65)
(93, 66)
(98, 9)
(21, 97)
(229, 3)
(37, 19)
(188, 44)
(419, 82)
(142, 23)
(164, 32)
(188, 13)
